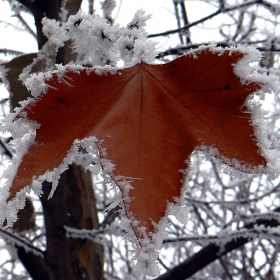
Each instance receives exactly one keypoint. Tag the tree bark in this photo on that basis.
(34, 264)
(73, 205)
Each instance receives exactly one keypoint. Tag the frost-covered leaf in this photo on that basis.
(149, 119)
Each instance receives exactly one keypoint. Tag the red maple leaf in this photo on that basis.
(150, 119)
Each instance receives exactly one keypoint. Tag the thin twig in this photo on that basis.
(182, 50)
(249, 30)
(162, 263)
(225, 268)
(6, 150)
(90, 6)
(10, 52)
(219, 11)
(20, 242)
(240, 201)
(178, 20)
(25, 24)
(186, 21)
(239, 25)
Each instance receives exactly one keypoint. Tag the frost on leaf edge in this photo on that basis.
(147, 253)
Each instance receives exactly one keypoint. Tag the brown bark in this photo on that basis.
(26, 218)
(73, 205)
(34, 264)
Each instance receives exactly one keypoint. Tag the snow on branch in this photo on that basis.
(97, 235)
(261, 228)
(23, 243)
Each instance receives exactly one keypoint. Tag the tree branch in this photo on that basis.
(214, 251)
(182, 50)
(72, 205)
(40, 9)
(7, 152)
(219, 11)
(20, 242)
(31, 257)
(25, 24)
(10, 52)
(185, 20)
(178, 20)
(35, 265)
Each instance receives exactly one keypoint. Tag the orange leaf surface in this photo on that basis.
(150, 119)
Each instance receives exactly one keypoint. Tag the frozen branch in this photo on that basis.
(20, 242)
(215, 251)
(184, 49)
(240, 201)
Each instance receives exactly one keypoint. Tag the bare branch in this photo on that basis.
(10, 52)
(90, 6)
(249, 30)
(7, 152)
(222, 5)
(25, 24)
(35, 265)
(178, 20)
(185, 20)
(219, 11)
(239, 26)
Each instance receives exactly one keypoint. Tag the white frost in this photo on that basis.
(100, 43)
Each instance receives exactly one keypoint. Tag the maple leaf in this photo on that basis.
(150, 119)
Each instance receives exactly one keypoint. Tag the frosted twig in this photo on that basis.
(240, 201)
(182, 50)
(21, 242)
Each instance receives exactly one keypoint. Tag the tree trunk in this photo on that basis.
(73, 203)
